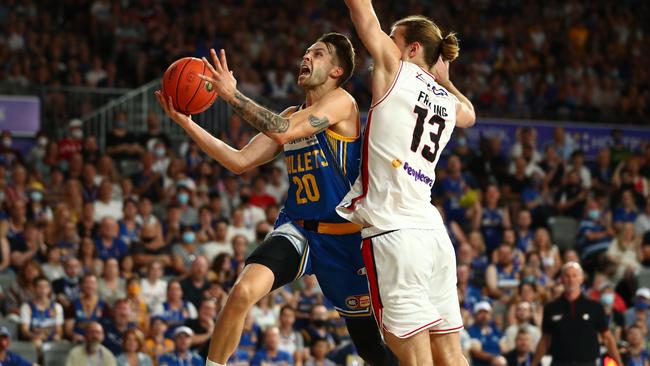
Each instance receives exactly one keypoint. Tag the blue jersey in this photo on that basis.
(43, 320)
(82, 319)
(321, 170)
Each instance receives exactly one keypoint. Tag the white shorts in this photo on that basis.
(412, 281)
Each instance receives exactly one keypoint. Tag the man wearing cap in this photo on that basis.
(640, 308)
(91, 352)
(485, 336)
(572, 324)
(8, 358)
(71, 144)
(182, 356)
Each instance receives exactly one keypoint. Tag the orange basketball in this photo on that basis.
(190, 94)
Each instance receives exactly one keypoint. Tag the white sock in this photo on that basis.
(212, 363)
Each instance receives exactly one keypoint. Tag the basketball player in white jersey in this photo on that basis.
(410, 261)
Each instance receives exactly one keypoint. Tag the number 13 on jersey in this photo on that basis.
(307, 189)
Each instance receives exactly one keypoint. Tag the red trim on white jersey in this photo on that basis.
(427, 71)
(418, 329)
(451, 330)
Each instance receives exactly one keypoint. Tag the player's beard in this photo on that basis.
(317, 78)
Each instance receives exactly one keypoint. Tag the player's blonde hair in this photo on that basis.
(418, 28)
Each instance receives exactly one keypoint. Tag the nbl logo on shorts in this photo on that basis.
(358, 302)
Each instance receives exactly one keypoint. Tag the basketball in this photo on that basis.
(189, 93)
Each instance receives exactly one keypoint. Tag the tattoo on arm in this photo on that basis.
(318, 123)
(258, 116)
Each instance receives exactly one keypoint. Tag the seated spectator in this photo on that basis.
(252, 214)
(524, 317)
(110, 286)
(184, 252)
(88, 308)
(53, 269)
(23, 290)
(8, 357)
(524, 233)
(145, 213)
(522, 354)
(120, 143)
(626, 211)
(319, 352)
(570, 197)
(640, 309)
(636, 351)
(291, 340)
(219, 245)
(153, 287)
(157, 343)
(25, 238)
(86, 225)
(264, 313)
(129, 228)
(151, 247)
(132, 344)
(485, 336)
(88, 259)
(108, 244)
(171, 227)
(106, 205)
(624, 251)
(549, 253)
(238, 226)
(116, 326)
(175, 310)
(185, 199)
(146, 182)
(91, 352)
(66, 288)
(202, 327)
(222, 271)
(154, 133)
(204, 228)
(468, 294)
(259, 196)
(196, 282)
(492, 219)
(182, 354)
(642, 222)
(71, 144)
(319, 328)
(595, 234)
(239, 252)
(614, 317)
(37, 210)
(139, 308)
(41, 319)
(502, 277)
(270, 353)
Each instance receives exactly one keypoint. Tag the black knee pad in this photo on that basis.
(368, 341)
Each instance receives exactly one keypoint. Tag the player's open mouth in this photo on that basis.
(304, 70)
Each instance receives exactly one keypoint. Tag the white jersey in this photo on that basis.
(405, 134)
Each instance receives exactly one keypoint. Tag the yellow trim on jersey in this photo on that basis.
(345, 157)
(340, 137)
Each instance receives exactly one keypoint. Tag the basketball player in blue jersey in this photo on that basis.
(320, 139)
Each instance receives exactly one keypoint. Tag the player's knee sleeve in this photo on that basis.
(279, 255)
(368, 341)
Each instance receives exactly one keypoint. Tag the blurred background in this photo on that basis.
(560, 155)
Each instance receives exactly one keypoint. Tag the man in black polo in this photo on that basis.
(571, 325)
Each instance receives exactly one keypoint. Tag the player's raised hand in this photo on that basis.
(220, 76)
(441, 71)
(167, 106)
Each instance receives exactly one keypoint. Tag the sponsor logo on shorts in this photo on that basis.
(358, 302)
(417, 175)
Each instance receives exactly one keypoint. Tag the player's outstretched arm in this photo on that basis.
(335, 107)
(261, 149)
(465, 115)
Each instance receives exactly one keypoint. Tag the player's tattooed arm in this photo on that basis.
(259, 117)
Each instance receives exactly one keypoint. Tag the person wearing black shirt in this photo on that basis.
(203, 326)
(196, 283)
(120, 143)
(572, 323)
(522, 355)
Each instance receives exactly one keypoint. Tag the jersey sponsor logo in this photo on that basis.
(430, 86)
(417, 175)
(358, 301)
(397, 163)
(301, 143)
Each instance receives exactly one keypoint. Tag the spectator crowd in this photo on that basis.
(527, 59)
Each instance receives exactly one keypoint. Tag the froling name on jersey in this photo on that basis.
(439, 110)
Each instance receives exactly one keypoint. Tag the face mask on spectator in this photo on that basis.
(594, 214)
(607, 299)
(160, 152)
(6, 142)
(42, 141)
(36, 196)
(183, 198)
(77, 133)
(188, 237)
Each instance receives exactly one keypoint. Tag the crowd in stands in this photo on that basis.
(561, 60)
(142, 259)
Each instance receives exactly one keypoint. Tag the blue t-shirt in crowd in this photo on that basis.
(14, 359)
(489, 338)
(262, 356)
(117, 250)
(174, 359)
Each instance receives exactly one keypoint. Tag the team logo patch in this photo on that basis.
(358, 302)
(361, 271)
(432, 88)
(397, 163)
